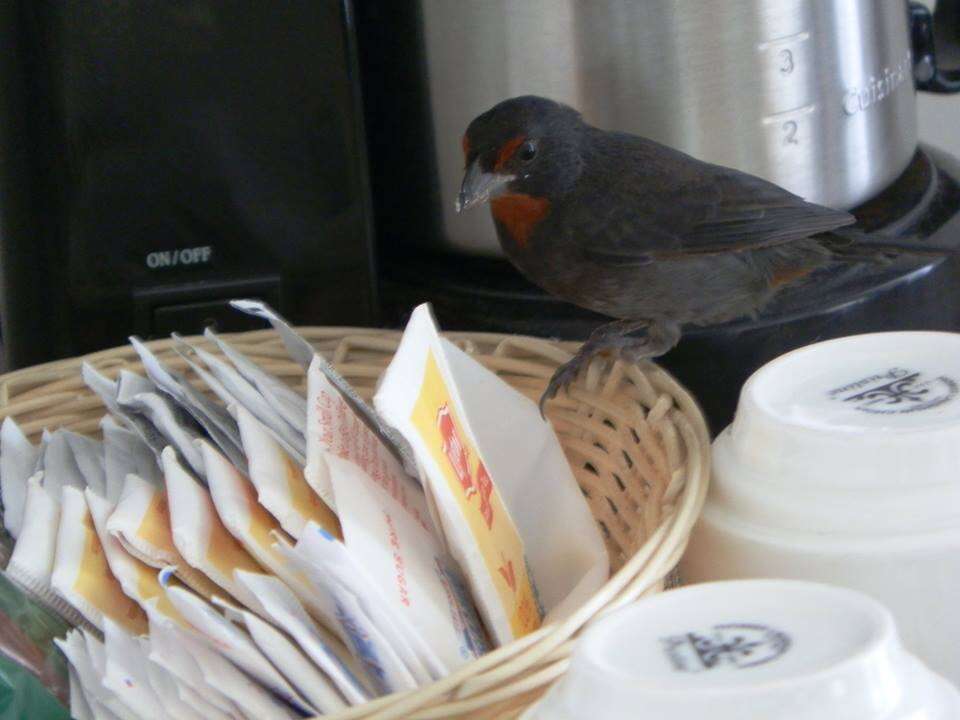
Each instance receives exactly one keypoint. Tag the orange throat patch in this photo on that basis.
(519, 215)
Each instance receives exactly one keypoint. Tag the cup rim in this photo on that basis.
(884, 624)
(747, 396)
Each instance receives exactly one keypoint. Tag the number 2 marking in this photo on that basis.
(790, 133)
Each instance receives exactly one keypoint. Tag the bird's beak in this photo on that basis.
(479, 186)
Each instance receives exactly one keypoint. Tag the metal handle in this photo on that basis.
(926, 74)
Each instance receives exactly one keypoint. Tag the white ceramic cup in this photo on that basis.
(843, 466)
(748, 650)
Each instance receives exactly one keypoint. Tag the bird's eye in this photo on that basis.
(528, 151)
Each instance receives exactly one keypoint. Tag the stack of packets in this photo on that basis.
(265, 555)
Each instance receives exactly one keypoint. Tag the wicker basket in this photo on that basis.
(636, 440)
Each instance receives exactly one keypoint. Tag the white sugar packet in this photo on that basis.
(510, 508)
(287, 657)
(167, 689)
(81, 574)
(334, 428)
(88, 455)
(397, 562)
(79, 705)
(237, 507)
(126, 673)
(283, 608)
(170, 649)
(18, 457)
(281, 486)
(107, 390)
(253, 700)
(125, 453)
(224, 637)
(303, 353)
(380, 643)
(33, 560)
(77, 651)
(200, 536)
(138, 395)
(286, 401)
(234, 388)
(213, 418)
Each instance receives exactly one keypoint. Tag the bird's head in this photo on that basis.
(526, 147)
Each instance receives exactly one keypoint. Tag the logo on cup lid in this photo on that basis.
(896, 391)
(731, 645)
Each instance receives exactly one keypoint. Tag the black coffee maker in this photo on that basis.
(159, 158)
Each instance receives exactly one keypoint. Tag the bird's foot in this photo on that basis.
(563, 376)
(618, 337)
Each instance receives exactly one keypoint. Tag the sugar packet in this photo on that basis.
(395, 561)
(237, 507)
(79, 705)
(283, 608)
(509, 506)
(138, 395)
(126, 673)
(138, 580)
(255, 701)
(107, 390)
(281, 486)
(81, 575)
(170, 649)
(286, 401)
(77, 652)
(335, 429)
(171, 696)
(380, 643)
(140, 522)
(303, 353)
(18, 456)
(235, 645)
(125, 453)
(200, 536)
(88, 455)
(32, 562)
(234, 389)
(286, 656)
(213, 418)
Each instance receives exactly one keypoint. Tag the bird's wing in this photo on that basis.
(654, 202)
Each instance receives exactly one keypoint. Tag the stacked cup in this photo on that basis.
(843, 466)
(748, 650)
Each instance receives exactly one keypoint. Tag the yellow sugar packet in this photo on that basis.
(140, 522)
(200, 536)
(416, 397)
(249, 522)
(281, 486)
(138, 580)
(81, 575)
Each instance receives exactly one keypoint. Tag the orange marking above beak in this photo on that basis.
(507, 151)
(465, 144)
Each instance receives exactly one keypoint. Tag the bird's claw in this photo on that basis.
(562, 377)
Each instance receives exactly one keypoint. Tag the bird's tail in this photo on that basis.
(856, 245)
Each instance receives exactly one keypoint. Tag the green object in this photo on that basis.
(33, 672)
(23, 696)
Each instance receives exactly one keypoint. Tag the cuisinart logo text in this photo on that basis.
(732, 645)
(896, 391)
(160, 259)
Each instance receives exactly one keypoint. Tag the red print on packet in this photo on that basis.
(453, 448)
(506, 570)
(485, 487)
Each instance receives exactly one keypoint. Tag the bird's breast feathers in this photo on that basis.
(518, 216)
